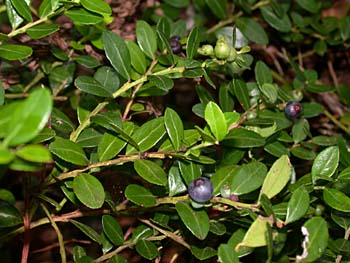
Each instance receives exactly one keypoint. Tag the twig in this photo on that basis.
(26, 221)
(336, 122)
(58, 233)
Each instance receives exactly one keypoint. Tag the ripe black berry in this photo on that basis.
(293, 110)
(201, 190)
(175, 44)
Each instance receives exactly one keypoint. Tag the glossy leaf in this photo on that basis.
(87, 230)
(138, 59)
(9, 216)
(197, 221)
(226, 254)
(174, 127)
(248, 178)
(97, 6)
(89, 138)
(175, 182)
(68, 151)
(87, 61)
(219, 7)
(30, 117)
(47, 7)
(112, 230)
(189, 171)
(117, 259)
(147, 249)
(256, 234)
(252, 30)
(310, 5)
(34, 153)
(193, 42)
(14, 17)
(300, 130)
(148, 135)
(277, 177)
(278, 22)
(223, 177)
(140, 195)
(336, 199)
(151, 172)
(297, 205)
(240, 90)
(203, 253)
(242, 138)
(117, 53)
(216, 120)
(262, 73)
(89, 190)
(23, 9)
(325, 163)
(43, 30)
(110, 145)
(315, 232)
(303, 153)
(90, 85)
(15, 52)
(146, 38)
(83, 17)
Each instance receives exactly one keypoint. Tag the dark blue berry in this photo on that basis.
(293, 110)
(175, 44)
(201, 190)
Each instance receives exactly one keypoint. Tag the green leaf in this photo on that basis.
(242, 138)
(90, 85)
(197, 221)
(226, 99)
(15, 52)
(325, 163)
(303, 153)
(256, 234)
(140, 195)
(223, 178)
(89, 138)
(148, 135)
(146, 38)
(175, 182)
(240, 90)
(270, 92)
(13, 16)
(68, 151)
(6, 156)
(117, 53)
(34, 153)
(277, 177)
(147, 249)
(2, 95)
(47, 7)
(300, 130)
(216, 120)
(7, 196)
(165, 46)
(87, 230)
(29, 118)
(193, 42)
(297, 205)
(310, 5)
(218, 7)
(315, 232)
(112, 230)
(43, 30)
(151, 172)
(248, 178)
(278, 22)
(117, 259)
(336, 199)
(226, 254)
(138, 59)
(345, 28)
(203, 253)
(110, 145)
(108, 78)
(9, 215)
(262, 73)
(174, 127)
(87, 61)
(252, 30)
(23, 9)
(89, 190)
(189, 171)
(178, 3)
(81, 16)
(97, 6)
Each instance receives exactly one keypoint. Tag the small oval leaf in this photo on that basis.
(151, 172)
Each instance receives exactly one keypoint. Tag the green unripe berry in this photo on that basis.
(222, 48)
(206, 50)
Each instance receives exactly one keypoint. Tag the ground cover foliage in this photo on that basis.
(109, 110)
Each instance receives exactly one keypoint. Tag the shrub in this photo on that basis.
(101, 136)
